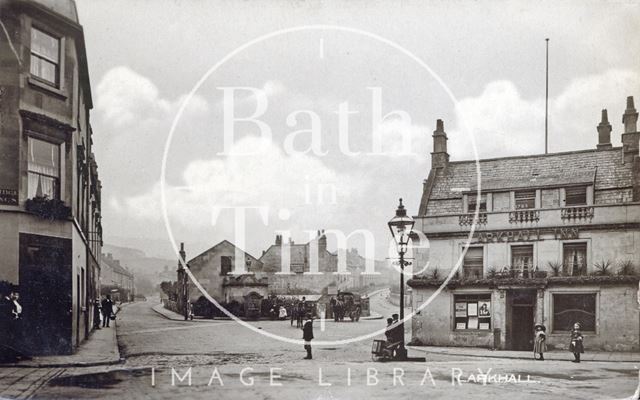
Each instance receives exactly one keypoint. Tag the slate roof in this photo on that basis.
(604, 168)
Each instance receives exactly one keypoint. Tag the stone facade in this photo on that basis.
(51, 234)
(556, 238)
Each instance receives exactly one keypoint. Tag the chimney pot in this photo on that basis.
(604, 132)
(439, 156)
(630, 117)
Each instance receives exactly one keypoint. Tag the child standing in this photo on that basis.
(576, 346)
(540, 342)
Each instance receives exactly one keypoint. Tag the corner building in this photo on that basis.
(556, 241)
(50, 229)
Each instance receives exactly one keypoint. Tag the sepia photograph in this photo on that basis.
(297, 199)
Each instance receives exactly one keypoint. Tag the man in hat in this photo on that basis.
(307, 335)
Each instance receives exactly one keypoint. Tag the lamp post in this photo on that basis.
(400, 227)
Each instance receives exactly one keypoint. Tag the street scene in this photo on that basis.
(328, 200)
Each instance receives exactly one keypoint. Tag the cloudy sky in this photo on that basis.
(318, 159)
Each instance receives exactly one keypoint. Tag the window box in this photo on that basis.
(47, 208)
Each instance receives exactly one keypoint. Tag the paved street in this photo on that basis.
(218, 351)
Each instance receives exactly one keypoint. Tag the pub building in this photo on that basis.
(50, 222)
(556, 241)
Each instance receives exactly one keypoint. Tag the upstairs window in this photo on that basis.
(576, 196)
(43, 169)
(525, 199)
(45, 57)
(473, 263)
(575, 258)
(473, 201)
(225, 265)
(522, 259)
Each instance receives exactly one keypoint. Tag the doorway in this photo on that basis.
(520, 320)
(46, 295)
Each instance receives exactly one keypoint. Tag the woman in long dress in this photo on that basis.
(540, 342)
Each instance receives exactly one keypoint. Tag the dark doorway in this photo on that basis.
(46, 295)
(522, 311)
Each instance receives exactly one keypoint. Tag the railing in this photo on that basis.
(582, 216)
(469, 219)
(577, 213)
(524, 216)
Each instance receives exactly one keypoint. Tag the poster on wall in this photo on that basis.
(461, 310)
(473, 323)
(461, 325)
(484, 308)
(483, 326)
(472, 309)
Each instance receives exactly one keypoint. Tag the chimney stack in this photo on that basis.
(439, 157)
(604, 132)
(630, 117)
(631, 136)
(278, 240)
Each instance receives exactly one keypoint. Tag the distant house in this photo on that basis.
(301, 257)
(115, 279)
(214, 270)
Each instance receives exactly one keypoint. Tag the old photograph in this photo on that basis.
(296, 199)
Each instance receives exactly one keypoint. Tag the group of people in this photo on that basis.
(576, 345)
(394, 334)
(102, 311)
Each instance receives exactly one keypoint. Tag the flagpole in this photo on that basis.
(546, 105)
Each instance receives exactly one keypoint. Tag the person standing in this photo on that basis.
(294, 313)
(540, 342)
(107, 310)
(97, 310)
(307, 335)
(301, 313)
(576, 346)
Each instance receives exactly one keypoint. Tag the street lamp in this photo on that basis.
(400, 227)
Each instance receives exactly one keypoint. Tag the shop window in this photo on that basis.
(472, 203)
(575, 258)
(43, 165)
(225, 265)
(525, 199)
(472, 312)
(45, 57)
(522, 260)
(472, 266)
(571, 308)
(576, 196)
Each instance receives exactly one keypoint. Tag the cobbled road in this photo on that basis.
(166, 359)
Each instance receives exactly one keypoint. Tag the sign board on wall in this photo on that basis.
(525, 235)
(8, 197)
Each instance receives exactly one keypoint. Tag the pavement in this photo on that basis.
(555, 355)
(101, 348)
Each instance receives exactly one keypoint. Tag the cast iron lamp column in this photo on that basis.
(400, 227)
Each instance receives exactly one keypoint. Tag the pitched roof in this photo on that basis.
(604, 168)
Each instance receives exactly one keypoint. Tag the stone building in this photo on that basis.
(214, 268)
(116, 280)
(50, 230)
(288, 266)
(556, 241)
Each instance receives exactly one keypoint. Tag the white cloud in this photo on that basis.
(271, 179)
(504, 123)
(125, 98)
